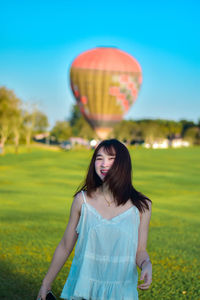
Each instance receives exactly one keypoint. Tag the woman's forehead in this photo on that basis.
(106, 151)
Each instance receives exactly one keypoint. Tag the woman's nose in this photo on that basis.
(104, 163)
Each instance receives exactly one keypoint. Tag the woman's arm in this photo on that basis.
(142, 257)
(64, 248)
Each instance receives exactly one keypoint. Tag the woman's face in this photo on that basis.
(103, 163)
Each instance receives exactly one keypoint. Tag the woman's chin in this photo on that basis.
(102, 177)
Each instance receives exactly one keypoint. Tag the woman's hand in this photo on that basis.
(43, 291)
(146, 275)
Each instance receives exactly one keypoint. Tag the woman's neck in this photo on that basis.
(106, 192)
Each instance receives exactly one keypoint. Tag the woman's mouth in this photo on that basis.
(104, 172)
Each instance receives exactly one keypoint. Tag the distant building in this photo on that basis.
(158, 144)
(41, 136)
(78, 141)
(45, 138)
(165, 143)
(179, 142)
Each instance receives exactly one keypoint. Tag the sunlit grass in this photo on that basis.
(36, 190)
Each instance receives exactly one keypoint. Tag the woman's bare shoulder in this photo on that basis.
(147, 212)
(78, 201)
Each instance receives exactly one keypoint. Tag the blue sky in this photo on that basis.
(40, 39)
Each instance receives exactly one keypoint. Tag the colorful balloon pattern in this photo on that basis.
(105, 82)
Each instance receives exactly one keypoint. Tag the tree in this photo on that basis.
(79, 125)
(174, 128)
(41, 122)
(75, 115)
(34, 121)
(152, 130)
(9, 111)
(126, 131)
(186, 125)
(192, 135)
(82, 129)
(61, 131)
(17, 128)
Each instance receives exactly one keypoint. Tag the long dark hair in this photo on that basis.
(118, 178)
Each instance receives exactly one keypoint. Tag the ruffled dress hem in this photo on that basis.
(99, 290)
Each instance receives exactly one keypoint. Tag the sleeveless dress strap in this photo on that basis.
(83, 196)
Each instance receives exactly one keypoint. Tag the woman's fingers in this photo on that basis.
(144, 286)
(44, 289)
(147, 281)
(41, 295)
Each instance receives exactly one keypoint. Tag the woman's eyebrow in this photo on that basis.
(112, 155)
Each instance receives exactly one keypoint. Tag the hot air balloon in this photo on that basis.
(105, 82)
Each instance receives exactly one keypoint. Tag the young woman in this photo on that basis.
(109, 219)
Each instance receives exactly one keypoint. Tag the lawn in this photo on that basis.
(36, 190)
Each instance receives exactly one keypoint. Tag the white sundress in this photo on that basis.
(104, 264)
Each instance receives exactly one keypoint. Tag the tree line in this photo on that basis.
(130, 131)
(20, 122)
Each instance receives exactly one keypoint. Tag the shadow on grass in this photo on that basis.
(16, 286)
(14, 192)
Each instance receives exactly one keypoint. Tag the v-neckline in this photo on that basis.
(108, 220)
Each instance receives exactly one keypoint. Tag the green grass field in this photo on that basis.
(36, 191)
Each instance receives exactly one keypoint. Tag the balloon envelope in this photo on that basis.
(105, 82)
